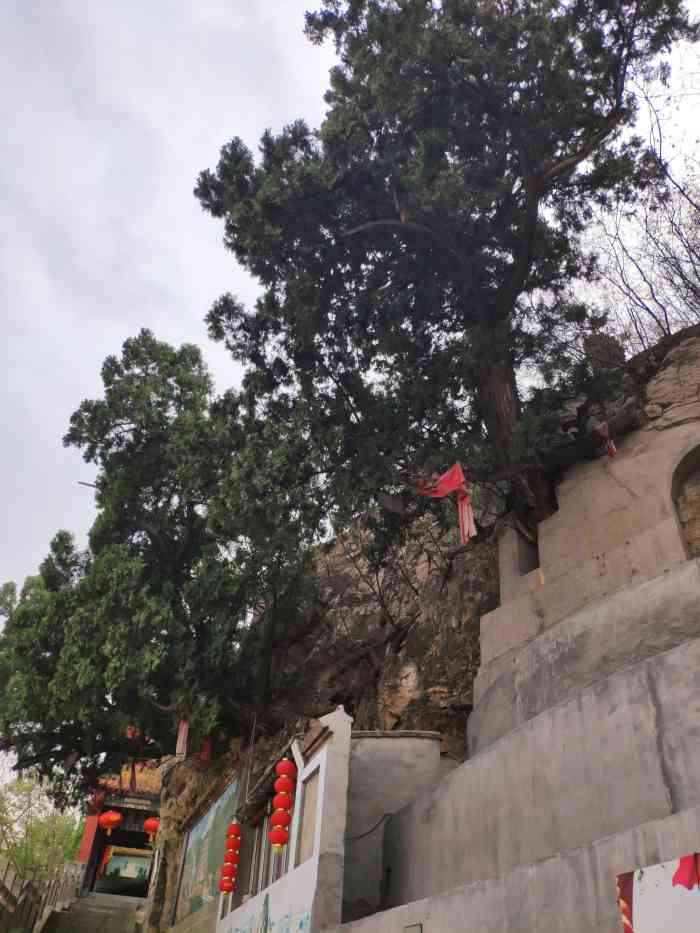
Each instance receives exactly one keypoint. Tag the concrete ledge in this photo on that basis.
(623, 752)
(396, 734)
(553, 598)
(635, 623)
(573, 892)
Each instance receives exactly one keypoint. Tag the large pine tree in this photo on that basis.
(416, 252)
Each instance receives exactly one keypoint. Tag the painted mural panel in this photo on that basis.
(661, 897)
(204, 855)
(284, 907)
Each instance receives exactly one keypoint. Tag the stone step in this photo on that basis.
(635, 623)
(97, 913)
(571, 892)
(552, 598)
(620, 753)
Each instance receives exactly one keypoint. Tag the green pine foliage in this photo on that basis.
(415, 253)
(198, 563)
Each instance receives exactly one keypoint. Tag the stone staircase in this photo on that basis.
(97, 913)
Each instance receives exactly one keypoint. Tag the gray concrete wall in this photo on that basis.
(572, 892)
(603, 506)
(635, 623)
(387, 771)
(582, 614)
(326, 910)
(621, 753)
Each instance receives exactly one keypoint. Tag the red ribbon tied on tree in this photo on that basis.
(437, 487)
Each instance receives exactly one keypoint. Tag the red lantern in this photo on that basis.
(281, 818)
(231, 858)
(234, 830)
(279, 837)
(110, 820)
(233, 845)
(286, 768)
(284, 785)
(229, 871)
(227, 886)
(281, 802)
(151, 826)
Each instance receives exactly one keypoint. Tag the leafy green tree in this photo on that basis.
(415, 253)
(8, 599)
(34, 836)
(198, 564)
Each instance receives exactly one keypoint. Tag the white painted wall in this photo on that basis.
(658, 907)
(290, 897)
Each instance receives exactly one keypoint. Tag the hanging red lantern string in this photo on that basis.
(282, 803)
(229, 870)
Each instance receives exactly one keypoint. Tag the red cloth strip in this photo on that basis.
(437, 487)
(688, 872)
(625, 893)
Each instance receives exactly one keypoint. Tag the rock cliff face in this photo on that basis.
(423, 613)
(673, 393)
(673, 398)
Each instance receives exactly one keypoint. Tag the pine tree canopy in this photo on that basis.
(416, 252)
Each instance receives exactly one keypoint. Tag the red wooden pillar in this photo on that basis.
(88, 841)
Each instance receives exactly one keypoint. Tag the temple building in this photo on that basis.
(117, 848)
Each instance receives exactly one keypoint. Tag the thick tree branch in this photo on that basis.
(570, 162)
(401, 227)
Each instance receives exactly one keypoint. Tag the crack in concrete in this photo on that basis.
(658, 725)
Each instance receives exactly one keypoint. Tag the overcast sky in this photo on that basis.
(110, 111)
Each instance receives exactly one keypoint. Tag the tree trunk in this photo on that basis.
(501, 406)
(534, 490)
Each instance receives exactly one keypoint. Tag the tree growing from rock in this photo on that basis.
(414, 253)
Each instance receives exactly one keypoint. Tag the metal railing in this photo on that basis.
(26, 902)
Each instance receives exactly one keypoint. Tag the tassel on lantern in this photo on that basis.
(279, 837)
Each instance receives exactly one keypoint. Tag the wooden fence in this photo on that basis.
(26, 902)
